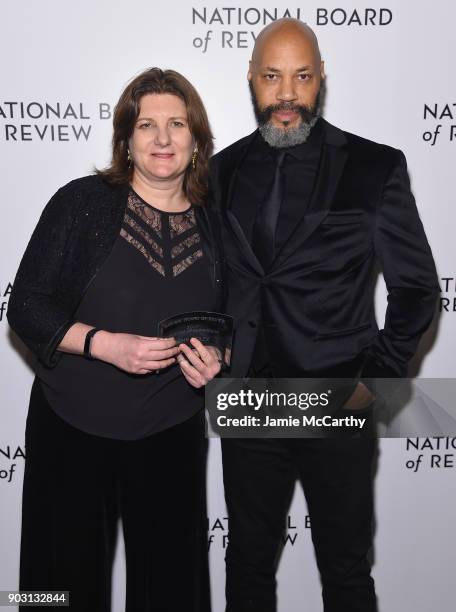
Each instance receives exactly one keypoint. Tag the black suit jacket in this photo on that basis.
(317, 301)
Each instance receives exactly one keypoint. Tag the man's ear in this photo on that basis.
(249, 73)
(322, 70)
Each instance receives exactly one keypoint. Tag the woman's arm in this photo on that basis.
(129, 352)
(33, 311)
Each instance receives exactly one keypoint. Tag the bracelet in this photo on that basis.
(88, 339)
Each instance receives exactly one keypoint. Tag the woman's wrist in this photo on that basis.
(100, 345)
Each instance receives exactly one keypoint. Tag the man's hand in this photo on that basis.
(199, 366)
(360, 398)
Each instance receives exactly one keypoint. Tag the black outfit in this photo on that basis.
(155, 259)
(101, 443)
(311, 313)
(77, 486)
(75, 234)
(251, 188)
(319, 290)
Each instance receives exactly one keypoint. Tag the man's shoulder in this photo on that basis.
(233, 149)
(365, 148)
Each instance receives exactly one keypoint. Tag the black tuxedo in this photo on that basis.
(316, 303)
(316, 308)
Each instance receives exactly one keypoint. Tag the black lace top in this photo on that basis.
(156, 269)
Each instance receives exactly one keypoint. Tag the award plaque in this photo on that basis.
(210, 328)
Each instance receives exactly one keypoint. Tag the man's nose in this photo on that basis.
(287, 90)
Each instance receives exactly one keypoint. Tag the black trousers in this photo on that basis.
(77, 486)
(336, 475)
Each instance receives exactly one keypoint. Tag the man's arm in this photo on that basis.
(410, 276)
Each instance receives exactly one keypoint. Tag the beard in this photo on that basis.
(281, 137)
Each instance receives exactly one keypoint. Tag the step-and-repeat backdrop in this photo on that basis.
(390, 79)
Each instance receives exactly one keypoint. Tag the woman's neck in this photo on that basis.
(164, 195)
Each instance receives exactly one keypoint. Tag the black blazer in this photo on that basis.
(74, 235)
(317, 301)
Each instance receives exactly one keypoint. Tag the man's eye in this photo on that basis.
(304, 77)
(270, 77)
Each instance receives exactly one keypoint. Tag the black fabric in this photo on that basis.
(254, 183)
(315, 309)
(285, 203)
(75, 234)
(259, 477)
(264, 228)
(156, 269)
(317, 300)
(77, 486)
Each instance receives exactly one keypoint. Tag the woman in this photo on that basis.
(115, 425)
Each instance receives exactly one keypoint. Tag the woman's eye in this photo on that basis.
(145, 125)
(178, 124)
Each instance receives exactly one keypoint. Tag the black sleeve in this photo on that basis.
(36, 311)
(409, 273)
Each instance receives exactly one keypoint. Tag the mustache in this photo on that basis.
(307, 113)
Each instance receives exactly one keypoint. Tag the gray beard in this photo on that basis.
(287, 137)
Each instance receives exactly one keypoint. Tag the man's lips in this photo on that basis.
(286, 115)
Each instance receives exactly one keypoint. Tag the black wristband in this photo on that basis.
(90, 334)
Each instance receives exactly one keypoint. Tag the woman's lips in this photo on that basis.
(163, 155)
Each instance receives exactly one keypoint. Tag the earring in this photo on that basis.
(194, 156)
(129, 158)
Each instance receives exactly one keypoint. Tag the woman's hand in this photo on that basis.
(198, 366)
(134, 354)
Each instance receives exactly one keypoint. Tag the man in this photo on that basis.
(310, 211)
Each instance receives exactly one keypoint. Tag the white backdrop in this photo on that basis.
(390, 79)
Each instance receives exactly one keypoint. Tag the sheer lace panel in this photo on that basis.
(187, 243)
(187, 262)
(146, 213)
(139, 230)
(141, 248)
(182, 222)
(170, 242)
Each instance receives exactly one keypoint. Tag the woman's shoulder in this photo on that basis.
(88, 193)
(91, 185)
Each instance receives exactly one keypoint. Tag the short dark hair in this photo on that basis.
(126, 112)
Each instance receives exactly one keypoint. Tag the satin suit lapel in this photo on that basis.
(228, 188)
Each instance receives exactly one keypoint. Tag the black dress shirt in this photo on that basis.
(255, 176)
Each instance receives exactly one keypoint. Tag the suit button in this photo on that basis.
(252, 324)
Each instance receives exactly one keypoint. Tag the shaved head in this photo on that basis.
(286, 82)
(285, 29)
